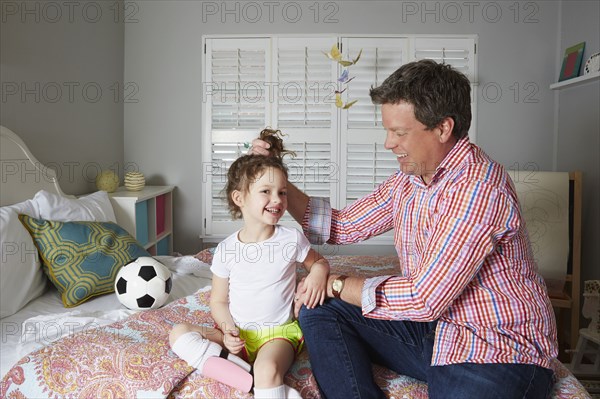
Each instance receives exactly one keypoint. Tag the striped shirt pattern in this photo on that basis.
(465, 260)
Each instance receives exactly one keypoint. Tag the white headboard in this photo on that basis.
(21, 174)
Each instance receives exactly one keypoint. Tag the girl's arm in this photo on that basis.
(315, 284)
(219, 307)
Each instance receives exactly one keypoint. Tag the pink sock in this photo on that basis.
(228, 373)
(203, 355)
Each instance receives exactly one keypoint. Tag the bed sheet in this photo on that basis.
(45, 319)
(178, 381)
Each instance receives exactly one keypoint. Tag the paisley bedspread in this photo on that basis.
(132, 358)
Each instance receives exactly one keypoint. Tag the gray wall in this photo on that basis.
(60, 64)
(517, 56)
(152, 51)
(578, 122)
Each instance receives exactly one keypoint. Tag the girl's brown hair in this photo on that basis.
(248, 168)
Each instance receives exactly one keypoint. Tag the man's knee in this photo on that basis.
(307, 317)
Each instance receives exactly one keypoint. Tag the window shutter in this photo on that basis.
(312, 170)
(306, 83)
(380, 57)
(288, 83)
(306, 113)
(237, 108)
(369, 164)
(457, 52)
(237, 76)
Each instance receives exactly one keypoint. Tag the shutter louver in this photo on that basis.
(236, 84)
(223, 156)
(306, 113)
(311, 170)
(379, 59)
(305, 83)
(238, 98)
(459, 53)
(368, 167)
(237, 109)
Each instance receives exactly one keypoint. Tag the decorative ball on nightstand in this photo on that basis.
(134, 181)
(108, 181)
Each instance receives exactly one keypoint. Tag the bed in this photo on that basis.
(99, 348)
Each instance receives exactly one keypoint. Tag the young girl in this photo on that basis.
(254, 276)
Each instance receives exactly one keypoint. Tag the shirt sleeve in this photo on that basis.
(470, 223)
(317, 220)
(365, 218)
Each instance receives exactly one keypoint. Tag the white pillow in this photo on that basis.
(95, 207)
(21, 277)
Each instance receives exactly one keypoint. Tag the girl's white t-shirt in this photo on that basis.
(262, 276)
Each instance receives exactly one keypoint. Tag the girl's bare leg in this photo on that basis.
(272, 363)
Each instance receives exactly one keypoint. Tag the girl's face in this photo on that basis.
(266, 199)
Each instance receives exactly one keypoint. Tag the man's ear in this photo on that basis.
(446, 127)
(237, 197)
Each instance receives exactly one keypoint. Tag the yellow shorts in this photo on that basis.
(255, 339)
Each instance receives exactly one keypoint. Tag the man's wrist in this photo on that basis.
(337, 286)
(330, 280)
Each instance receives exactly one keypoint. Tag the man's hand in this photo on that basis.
(259, 147)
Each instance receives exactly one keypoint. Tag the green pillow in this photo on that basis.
(82, 258)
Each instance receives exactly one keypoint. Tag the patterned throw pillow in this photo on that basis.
(82, 258)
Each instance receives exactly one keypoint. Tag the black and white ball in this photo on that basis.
(144, 283)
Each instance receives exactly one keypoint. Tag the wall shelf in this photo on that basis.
(590, 77)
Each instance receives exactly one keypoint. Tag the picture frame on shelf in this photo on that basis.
(572, 62)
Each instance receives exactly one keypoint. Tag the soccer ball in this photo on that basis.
(144, 283)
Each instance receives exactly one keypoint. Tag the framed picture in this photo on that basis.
(572, 62)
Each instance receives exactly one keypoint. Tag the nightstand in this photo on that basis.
(147, 215)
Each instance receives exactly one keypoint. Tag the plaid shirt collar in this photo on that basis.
(452, 160)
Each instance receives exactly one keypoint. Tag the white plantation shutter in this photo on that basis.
(457, 52)
(306, 113)
(367, 165)
(236, 80)
(288, 83)
(312, 170)
(306, 83)
(223, 156)
(380, 57)
(237, 108)
(367, 162)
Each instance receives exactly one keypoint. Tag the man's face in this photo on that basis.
(419, 151)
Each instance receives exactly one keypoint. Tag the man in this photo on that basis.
(467, 312)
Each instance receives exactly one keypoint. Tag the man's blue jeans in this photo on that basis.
(342, 344)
